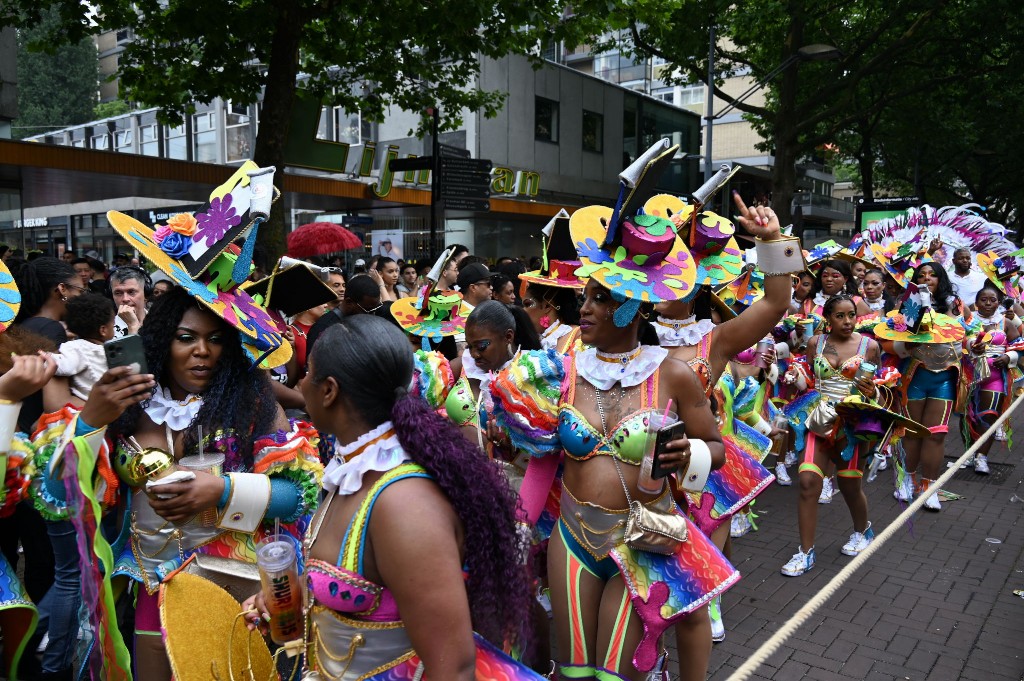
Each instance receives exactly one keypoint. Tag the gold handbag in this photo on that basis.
(239, 578)
(649, 529)
(822, 419)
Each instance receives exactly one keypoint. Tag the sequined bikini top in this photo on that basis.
(824, 369)
(625, 440)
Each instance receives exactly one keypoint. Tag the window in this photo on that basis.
(148, 144)
(593, 131)
(237, 132)
(177, 144)
(691, 94)
(204, 138)
(100, 142)
(349, 127)
(123, 141)
(545, 120)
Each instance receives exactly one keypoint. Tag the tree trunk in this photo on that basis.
(784, 129)
(866, 165)
(278, 97)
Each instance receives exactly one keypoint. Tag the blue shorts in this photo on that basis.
(931, 385)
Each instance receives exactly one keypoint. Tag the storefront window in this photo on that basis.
(347, 126)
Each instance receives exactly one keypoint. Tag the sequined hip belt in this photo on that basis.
(599, 529)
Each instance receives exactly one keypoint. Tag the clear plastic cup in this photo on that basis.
(279, 576)
(658, 420)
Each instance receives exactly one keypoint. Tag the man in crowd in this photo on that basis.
(128, 288)
(967, 280)
(407, 282)
(450, 273)
(362, 296)
(474, 284)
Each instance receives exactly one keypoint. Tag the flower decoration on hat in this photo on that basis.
(1001, 271)
(636, 256)
(197, 253)
(914, 320)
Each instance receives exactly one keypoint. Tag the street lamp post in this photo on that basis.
(815, 52)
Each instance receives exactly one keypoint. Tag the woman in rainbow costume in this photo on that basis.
(124, 451)
(601, 580)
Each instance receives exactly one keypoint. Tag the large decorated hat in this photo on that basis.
(196, 252)
(817, 256)
(914, 321)
(10, 298)
(293, 287)
(858, 409)
(638, 257)
(745, 289)
(431, 316)
(558, 257)
(1001, 270)
(709, 237)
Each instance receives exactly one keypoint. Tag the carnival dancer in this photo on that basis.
(875, 296)
(990, 371)
(248, 466)
(393, 591)
(930, 345)
(841, 361)
(551, 296)
(834, 276)
(603, 577)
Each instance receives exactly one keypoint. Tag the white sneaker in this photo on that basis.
(884, 463)
(858, 542)
(740, 525)
(1001, 433)
(981, 464)
(790, 458)
(782, 475)
(827, 492)
(800, 563)
(932, 502)
(717, 625)
(905, 490)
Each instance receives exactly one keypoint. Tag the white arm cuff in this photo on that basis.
(697, 472)
(781, 257)
(247, 502)
(8, 424)
(782, 351)
(93, 439)
(762, 426)
(773, 373)
(1014, 356)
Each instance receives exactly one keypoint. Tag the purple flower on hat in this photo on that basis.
(215, 223)
(175, 245)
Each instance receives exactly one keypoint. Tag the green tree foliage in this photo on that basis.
(362, 56)
(894, 53)
(117, 107)
(57, 82)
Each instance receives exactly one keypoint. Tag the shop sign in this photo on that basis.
(31, 222)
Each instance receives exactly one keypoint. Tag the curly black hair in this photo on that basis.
(87, 313)
(944, 298)
(238, 397)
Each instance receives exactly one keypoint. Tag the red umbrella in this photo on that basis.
(321, 238)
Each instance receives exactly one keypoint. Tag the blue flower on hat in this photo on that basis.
(176, 245)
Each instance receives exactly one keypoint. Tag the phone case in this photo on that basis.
(664, 436)
(127, 351)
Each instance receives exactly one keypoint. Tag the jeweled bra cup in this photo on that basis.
(341, 590)
(626, 442)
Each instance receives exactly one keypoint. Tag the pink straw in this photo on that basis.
(668, 408)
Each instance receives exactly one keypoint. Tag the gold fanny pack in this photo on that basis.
(651, 529)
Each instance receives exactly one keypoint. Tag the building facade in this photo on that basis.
(561, 139)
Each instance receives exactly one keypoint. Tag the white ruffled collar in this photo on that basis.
(674, 333)
(554, 333)
(603, 370)
(471, 370)
(820, 298)
(178, 414)
(377, 450)
(876, 305)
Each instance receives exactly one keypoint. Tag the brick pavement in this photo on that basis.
(935, 604)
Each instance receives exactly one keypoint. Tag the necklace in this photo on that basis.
(677, 323)
(622, 358)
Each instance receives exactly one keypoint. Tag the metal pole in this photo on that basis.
(709, 119)
(435, 183)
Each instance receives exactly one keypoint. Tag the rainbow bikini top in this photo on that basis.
(625, 441)
(824, 370)
(342, 587)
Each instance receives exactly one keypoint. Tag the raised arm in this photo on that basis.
(759, 319)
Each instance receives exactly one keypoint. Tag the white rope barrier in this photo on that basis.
(769, 647)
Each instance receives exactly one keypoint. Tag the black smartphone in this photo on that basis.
(667, 434)
(126, 352)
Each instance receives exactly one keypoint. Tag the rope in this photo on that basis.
(769, 647)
